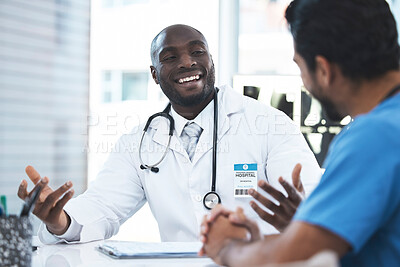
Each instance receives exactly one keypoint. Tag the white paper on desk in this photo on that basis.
(129, 250)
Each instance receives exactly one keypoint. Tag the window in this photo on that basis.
(265, 44)
(120, 3)
(134, 86)
(121, 86)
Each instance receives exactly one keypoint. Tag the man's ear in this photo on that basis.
(154, 74)
(324, 71)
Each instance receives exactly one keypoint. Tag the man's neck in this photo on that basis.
(369, 94)
(191, 112)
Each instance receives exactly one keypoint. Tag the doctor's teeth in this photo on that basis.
(188, 79)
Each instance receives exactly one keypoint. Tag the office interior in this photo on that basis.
(74, 76)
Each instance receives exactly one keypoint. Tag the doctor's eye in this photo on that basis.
(198, 52)
(168, 58)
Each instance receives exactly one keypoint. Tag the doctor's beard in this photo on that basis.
(193, 100)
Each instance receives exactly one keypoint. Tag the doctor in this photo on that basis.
(255, 142)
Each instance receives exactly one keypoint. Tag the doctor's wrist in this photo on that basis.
(61, 227)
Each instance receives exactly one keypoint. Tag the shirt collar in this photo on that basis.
(204, 119)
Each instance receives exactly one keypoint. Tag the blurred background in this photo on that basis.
(74, 76)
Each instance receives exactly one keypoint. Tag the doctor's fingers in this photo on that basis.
(32, 174)
(293, 194)
(22, 189)
(275, 220)
(55, 213)
(218, 211)
(52, 200)
(36, 178)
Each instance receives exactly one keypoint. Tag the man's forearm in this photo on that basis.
(241, 253)
(299, 242)
(271, 237)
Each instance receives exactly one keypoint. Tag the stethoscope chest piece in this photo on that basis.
(211, 199)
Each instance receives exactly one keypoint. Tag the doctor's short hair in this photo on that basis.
(153, 46)
(358, 35)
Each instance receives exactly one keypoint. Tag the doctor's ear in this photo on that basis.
(154, 74)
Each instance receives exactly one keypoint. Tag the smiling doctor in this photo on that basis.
(238, 141)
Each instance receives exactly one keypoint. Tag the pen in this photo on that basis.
(30, 202)
(3, 200)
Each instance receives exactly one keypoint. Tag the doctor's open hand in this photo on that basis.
(284, 212)
(49, 206)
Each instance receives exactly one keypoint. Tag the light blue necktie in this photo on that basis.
(190, 137)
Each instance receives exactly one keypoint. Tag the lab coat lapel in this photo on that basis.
(161, 136)
(229, 102)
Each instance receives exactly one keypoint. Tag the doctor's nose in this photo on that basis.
(187, 62)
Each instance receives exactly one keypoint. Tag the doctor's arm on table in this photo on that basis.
(49, 206)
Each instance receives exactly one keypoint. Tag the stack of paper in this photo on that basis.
(130, 250)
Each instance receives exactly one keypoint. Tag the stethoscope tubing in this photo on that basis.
(164, 113)
(211, 198)
(215, 136)
(149, 166)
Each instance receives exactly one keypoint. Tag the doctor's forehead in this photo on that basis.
(175, 36)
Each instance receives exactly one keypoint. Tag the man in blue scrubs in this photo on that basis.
(348, 55)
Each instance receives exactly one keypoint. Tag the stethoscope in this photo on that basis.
(211, 199)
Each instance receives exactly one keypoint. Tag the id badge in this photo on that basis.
(245, 177)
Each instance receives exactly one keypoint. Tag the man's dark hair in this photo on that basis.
(358, 35)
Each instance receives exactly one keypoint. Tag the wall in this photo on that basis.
(44, 81)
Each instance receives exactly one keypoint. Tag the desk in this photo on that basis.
(64, 255)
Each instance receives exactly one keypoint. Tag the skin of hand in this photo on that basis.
(223, 225)
(284, 212)
(221, 232)
(49, 206)
(217, 211)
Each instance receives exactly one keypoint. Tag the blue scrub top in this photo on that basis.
(358, 197)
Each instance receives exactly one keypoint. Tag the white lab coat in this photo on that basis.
(248, 132)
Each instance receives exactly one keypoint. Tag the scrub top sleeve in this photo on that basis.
(354, 196)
